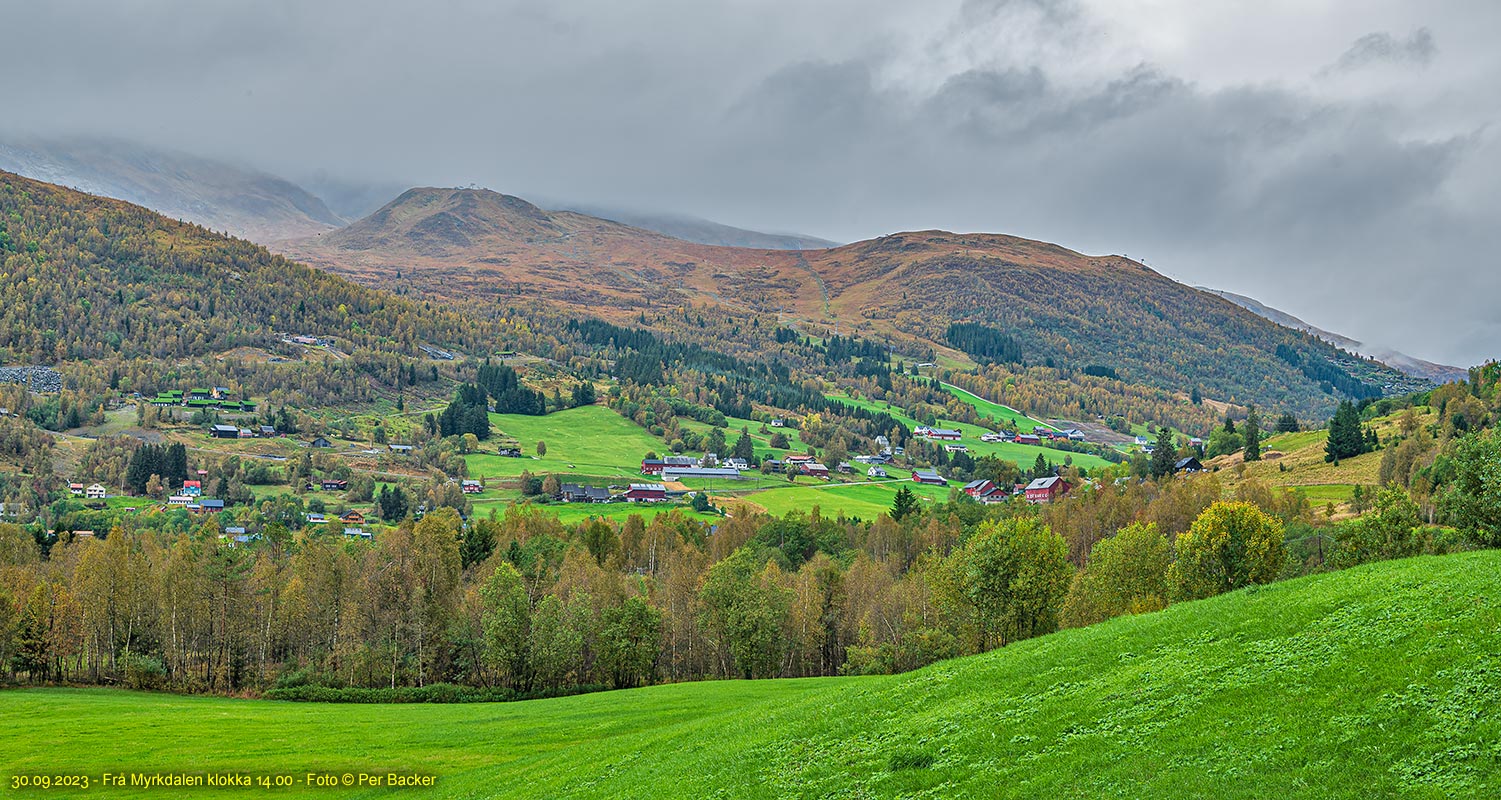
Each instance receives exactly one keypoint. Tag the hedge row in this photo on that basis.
(432, 693)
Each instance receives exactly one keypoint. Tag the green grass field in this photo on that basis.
(574, 513)
(1321, 494)
(864, 500)
(996, 411)
(1023, 454)
(591, 440)
(1379, 681)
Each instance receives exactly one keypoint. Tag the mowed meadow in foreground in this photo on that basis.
(1378, 681)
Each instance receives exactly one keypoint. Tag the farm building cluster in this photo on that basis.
(203, 398)
(676, 468)
(236, 432)
(1037, 492)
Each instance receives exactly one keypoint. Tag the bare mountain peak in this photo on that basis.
(467, 223)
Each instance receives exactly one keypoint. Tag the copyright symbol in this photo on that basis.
(348, 779)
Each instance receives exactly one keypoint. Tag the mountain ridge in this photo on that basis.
(244, 202)
(1411, 365)
(699, 230)
(1064, 307)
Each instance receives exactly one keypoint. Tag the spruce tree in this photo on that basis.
(903, 504)
(745, 448)
(1346, 438)
(1164, 455)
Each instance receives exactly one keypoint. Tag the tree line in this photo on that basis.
(525, 602)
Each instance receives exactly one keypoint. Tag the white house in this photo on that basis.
(95, 492)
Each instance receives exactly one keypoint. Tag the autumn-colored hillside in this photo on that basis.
(1063, 307)
(464, 243)
(89, 278)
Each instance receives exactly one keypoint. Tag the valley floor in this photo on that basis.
(1380, 681)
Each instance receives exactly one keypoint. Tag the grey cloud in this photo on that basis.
(1418, 49)
(852, 118)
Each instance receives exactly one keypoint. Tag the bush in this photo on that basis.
(432, 693)
(144, 672)
(1229, 546)
(293, 679)
(1126, 574)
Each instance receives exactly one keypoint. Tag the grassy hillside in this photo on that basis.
(863, 500)
(590, 440)
(1022, 454)
(1379, 681)
(1297, 460)
(996, 411)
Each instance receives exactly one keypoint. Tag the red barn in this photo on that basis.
(652, 466)
(981, 488)
(645, 493)
(814, 468)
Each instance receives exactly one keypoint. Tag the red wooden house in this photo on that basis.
(981, 489)
(1046, 490)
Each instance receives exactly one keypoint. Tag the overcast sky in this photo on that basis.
(1333, 158)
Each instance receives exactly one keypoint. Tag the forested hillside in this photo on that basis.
(1078, 312)
(87, 278)
(1053, 307)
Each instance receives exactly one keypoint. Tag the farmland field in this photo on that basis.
(996, 411)
(1320, 494)
(591, 440)
(863, 500)
(1379, 681)
(1022, 454)
(574, 513)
